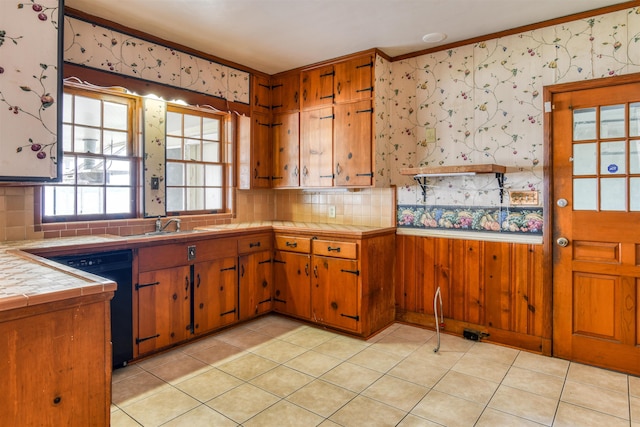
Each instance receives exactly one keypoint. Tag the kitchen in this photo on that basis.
(517, 309)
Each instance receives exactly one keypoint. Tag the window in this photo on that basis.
(195, 160)
(99, 167)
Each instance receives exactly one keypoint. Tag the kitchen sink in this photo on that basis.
(167, 233)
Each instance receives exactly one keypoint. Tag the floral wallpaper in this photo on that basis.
(485, 103)
(29, 90)
(154, 162)
(382, 111)
(98, 47)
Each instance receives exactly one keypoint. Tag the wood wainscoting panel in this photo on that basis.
(493, 287)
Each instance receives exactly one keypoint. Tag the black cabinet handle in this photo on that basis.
(198, 283)
(292, 244)
(306, 269)
(356, 272)
(329, 248)
(254, 245)
(138, 286)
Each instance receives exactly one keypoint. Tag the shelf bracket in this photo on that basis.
(422, 182)
(500, 178)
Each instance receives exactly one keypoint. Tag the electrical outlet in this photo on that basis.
(332, 211)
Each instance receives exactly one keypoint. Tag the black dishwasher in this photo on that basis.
(116, 266)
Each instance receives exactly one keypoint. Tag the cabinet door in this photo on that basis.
(215, 295)
(261, 151)
(291, 272)
(334, 292)
(317, 87)
(352, 144)
(164, 308)
(354, 79)
(285, 93)
(286, 150)
(261, 93)
(255, 284)
(316, 147)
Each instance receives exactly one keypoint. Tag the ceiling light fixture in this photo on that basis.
(434, 37)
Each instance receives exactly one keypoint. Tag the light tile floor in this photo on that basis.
(275, 371)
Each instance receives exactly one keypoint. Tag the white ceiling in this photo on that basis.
(279, 35)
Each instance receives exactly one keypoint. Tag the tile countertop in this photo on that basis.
(27, 279)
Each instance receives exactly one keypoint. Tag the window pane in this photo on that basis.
(175, 199)
(87, 140)
(192, 149)
(115, 143)
(584, 159)
(118, 200)
(118, 172)
(192, 126)
(211, 151)
(213, 198)
(210, 129)
(634, 154)
(195, 174)
(584, 124)
(90, 170)
(613, 194)
(213, 176)
(69, 170)
(174, 148)
(67, 108)
(635, 194)
(634, 119)
(585, 194)
(90, 200)
(115, 116)
(175, 174)
(174, 123)
(612, 123)
(195, 199)
(67, 135)
(613, 158)
(87, 111)
(59, 200)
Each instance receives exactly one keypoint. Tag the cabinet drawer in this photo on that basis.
(335, 249)
(259, 242)
(293, 244)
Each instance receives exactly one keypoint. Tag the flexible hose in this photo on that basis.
(438, 297)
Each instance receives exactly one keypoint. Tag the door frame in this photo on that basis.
(549, 231)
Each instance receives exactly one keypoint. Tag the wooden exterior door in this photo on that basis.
(596, 238)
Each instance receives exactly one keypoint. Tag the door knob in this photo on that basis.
(562, 203)
(563, 242)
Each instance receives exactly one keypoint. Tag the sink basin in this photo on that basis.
(167, 233)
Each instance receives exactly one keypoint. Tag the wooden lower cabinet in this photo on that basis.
(292, 282)
(215, 297)
(56, 360)
(335, 292)
(255, 290)
(164, 308)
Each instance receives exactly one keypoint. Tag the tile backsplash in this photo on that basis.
(373, 206)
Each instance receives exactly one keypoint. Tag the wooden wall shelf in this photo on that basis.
(421, 174)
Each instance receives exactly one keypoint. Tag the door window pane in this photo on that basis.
(634, 156)
(612, 121)
(585, 194)
(584, 124)
(634, 119)
(634, 191)
(613, 158)
(613, 194)
(584, 159)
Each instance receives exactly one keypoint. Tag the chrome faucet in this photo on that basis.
(160, 227)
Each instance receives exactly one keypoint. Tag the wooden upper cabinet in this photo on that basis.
(254, 151)
(285, 132)
(317, 87)
(316, 147)
(354, 79)
(260, 93)
(353, 144)
(285, 92)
